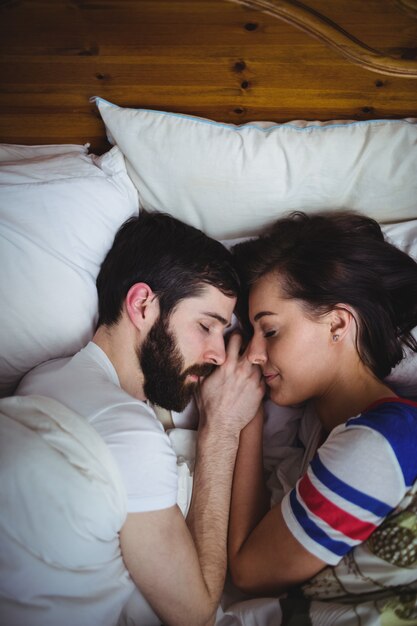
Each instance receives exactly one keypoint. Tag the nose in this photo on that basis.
(256, 352)
(216, 351)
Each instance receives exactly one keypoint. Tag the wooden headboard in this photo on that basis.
(227, 60)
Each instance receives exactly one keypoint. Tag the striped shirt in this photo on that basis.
(357, 477)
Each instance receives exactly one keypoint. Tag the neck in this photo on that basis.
(119, 346)
(349, 397)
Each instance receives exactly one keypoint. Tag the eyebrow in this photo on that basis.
(217, 317)
(262, 314)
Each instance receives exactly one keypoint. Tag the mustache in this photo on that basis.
(204, 369)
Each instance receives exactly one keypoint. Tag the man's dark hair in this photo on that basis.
(174, 259)
(326, 259)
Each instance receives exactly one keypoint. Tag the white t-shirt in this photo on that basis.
(88, 384)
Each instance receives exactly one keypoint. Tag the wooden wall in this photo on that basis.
(212, 58)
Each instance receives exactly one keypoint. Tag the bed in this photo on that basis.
(225, 114)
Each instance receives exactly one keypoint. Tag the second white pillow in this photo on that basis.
(232, 181)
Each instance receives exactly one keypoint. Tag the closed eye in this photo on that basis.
(269, 333)
(206, 329)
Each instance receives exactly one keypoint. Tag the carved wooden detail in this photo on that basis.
(409, 6)
(318, 25)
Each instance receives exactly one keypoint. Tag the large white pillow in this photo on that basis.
(231, 181)
(59, 211)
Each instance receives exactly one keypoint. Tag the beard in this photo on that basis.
(162, 365)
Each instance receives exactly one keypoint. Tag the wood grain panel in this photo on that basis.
(211, 58)
(332, 34)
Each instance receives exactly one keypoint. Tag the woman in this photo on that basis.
(331, 305)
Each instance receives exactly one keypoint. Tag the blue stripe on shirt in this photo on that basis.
(397, 422)
(375, 506)
(315, 532)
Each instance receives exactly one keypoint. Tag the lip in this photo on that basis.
(193, 378)
(269, 377)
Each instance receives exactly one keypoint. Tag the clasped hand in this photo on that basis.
(230, 397)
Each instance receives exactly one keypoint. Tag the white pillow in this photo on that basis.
(231, 181)
(59, 211)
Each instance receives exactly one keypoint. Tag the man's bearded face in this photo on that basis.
(163, 365)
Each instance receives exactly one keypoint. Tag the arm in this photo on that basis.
(250, 498)
(351, 486)
(180, 566)
(264, 556)
(160, 555)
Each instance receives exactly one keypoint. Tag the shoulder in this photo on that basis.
(358, 476)
(379, 415)
(372, 452)
(391, 423)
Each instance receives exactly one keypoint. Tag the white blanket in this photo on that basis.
(62, 504)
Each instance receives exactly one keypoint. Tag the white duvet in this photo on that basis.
(62, 504)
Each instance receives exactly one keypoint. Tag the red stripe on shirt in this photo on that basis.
(333, 515)
(392, 400)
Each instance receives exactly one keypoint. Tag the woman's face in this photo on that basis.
(294, 351)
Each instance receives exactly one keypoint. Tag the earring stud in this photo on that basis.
(335, 337)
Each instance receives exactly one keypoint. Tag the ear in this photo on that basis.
(141, 305)
(342, 322)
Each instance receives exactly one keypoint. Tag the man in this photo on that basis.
(166, 294)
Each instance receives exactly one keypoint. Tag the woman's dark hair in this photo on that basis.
(174, 259)
(326, 259)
